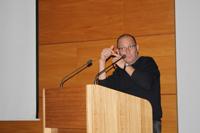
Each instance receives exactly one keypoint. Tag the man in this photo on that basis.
(136, 75)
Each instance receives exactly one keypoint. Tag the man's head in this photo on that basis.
(127, 45)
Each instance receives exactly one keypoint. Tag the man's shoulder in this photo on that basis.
(146, 58)
(147, 62)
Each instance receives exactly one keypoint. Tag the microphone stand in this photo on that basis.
(75, 72)
(108, 68)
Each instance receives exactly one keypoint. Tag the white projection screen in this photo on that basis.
(188, 64)
(18, 57)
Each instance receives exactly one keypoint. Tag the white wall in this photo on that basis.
(188, 64)
(18, 59)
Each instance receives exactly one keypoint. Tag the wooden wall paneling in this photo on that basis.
(69, 21)
(66, 108)
(20, 127)
(157, 45)
(147, 17)
(77, 21)
(58, 60)
(169, 120)
(55, 61)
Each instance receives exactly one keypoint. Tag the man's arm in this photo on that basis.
(105, 54)
(101, 67)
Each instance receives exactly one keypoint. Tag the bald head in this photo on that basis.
(126, 36)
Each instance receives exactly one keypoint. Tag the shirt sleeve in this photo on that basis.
(108, 82)
(144, 75)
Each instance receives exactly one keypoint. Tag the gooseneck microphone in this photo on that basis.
(75, 72)
(107, 68)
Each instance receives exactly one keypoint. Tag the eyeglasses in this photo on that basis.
(129, 47)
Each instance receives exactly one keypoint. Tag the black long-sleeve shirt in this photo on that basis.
(144, 83)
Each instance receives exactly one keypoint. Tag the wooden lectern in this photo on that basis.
(96, 110)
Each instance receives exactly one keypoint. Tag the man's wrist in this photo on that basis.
(102, 61)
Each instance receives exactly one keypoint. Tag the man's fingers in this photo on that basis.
(107, 52)
(115, 54)
(112, 47)
(117, 51)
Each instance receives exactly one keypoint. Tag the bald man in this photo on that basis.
(135, 75)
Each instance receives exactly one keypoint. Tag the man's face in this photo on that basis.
(128, 47)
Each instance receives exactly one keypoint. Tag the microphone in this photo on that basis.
(75, 72)
(107, 68)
